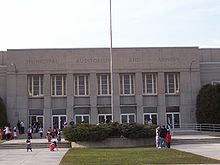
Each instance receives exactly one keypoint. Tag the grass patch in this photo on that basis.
(131, 156)
(1, 141)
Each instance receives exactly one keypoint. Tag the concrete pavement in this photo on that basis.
(42, 156)
(207, 150)
(36, 157)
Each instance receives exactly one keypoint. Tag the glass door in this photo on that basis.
(58, 121)
(35, 122)
(173, 120)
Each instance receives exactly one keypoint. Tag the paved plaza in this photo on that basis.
(207, 150)
(36, 157)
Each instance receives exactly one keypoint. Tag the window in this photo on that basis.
(81, 85)
(82, 118)
(58, 85)
(128, 118)
(104, 84)
(215, 82)
(149, 83)
(127, 84)
(35, 85)
(150, 118)
(172, 83)
(104, 118)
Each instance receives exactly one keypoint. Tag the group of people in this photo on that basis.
(163, 137)
(52, 146)
(53, 133)
(20, 127)
(8, 133)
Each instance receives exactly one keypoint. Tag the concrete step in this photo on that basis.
(34, 145)
(194, 132)
(195, 141)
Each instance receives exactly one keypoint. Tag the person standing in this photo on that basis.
(19, 126)
(15, 133)
(163, 133)
(29, 133)
(22, 127)
(28, 144)
(7, 133)
(41, 130)
(157, 138)
(168, 139)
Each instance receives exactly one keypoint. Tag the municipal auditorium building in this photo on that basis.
(54, 86)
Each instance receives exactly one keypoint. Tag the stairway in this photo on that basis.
(39, 144)
(194, 137)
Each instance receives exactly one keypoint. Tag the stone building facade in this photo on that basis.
(53, 86)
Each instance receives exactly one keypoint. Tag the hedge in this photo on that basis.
(89, 132)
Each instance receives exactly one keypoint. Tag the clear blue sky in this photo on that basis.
(85, 23)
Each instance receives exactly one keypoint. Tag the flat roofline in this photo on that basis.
(209, 48)
(37, 49)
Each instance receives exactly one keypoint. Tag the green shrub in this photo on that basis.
(137, 131)
(115, 129)
(86, 132)
(208, 104)
(89, 132)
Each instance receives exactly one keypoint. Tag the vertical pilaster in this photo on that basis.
(116, 97)
(22, 100)
(70, 98)
(161, 109)
(93, 98)
(47, 102)
(139, 97)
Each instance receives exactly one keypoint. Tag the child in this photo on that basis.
(53, 145)
(28, 143)
(15, 133)
(49, 137)
(29, 133)
(168, 139)
(41, 130)
(59, 136)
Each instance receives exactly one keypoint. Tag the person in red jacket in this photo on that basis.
(168, 139)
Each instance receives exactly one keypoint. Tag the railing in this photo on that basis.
(200, 127)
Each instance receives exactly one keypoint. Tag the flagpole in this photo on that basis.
(111, 63)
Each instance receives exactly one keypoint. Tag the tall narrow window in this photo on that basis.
(127, 84)
(81, 85)
(35, 85)
(149, 83)
(104, 84)
(172, 83)
(58, 84)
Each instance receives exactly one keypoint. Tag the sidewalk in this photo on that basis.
(36, 157)
(211, 150)
(207, 150)
(39, 156)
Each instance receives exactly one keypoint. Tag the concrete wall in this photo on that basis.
(46, 62)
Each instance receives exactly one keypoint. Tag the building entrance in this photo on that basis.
(173, 119)
(35, 122)
(58, 121)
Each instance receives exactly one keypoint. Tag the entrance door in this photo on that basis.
(36, 121)
(173, 119)
(58, 121)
